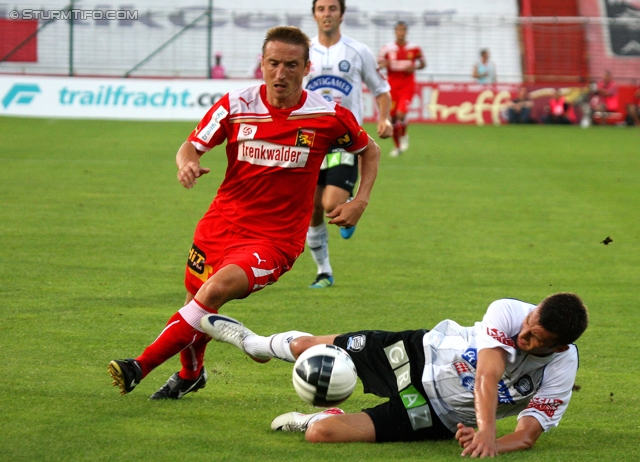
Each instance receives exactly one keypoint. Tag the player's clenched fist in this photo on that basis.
(189, 173)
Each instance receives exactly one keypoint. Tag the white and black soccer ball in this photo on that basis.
(324, 376)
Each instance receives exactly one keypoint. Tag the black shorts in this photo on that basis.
(343, 176)
(390, 365)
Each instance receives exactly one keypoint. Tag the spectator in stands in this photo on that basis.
(519, 110)
(633, 110)
(558, 111)
(604, 96)
(218, 71)
(484, 71)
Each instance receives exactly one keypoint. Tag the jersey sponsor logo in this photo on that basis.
(524, 385)
(500, 337)
(411, 397)
(330, 81)
(356, 343)
(504, 396)
(344, 141)
(344, 65)
(272, 155)
(208, 130)
(545, 405)
(305, 137)
(467, 379)
(196, 264)
(471, 356)
(247, 132)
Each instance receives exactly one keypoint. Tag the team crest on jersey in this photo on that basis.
(305, 137)
(246, 132)
(344, 65)
(524, 385)
(356, 343)
(344, 141)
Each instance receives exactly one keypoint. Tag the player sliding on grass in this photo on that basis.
(277, 134)
(519, 360)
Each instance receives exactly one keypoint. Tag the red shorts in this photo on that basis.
(401, 100)
(218, 243)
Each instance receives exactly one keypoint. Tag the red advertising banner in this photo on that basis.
(12, 34)
(472, 103)
(466, 103)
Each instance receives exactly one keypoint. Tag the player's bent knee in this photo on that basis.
(299, 345)
(321, 432)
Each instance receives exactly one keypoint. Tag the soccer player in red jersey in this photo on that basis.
(402, 59)
(277, 135)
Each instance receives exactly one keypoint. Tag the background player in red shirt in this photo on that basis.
(277, 135)
(402, 59)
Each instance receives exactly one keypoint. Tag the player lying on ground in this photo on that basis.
(519, 360)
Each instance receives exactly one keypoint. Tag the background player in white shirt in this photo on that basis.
(519, 360)
(339, 66)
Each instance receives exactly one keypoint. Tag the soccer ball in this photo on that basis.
(324, 376)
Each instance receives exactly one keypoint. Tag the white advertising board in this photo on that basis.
(100, 98)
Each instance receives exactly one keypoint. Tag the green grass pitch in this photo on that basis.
(94, 233)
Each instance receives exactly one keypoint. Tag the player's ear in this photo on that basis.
(307, 67)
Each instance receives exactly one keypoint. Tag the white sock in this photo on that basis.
(318, 416)
(275, 346)
(318, 242)
(193, 313)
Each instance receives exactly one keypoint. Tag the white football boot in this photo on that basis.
(299, 422)
(228, 330)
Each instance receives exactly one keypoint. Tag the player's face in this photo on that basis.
(535, 339)
(284, 68)
(327, 15)
(401, 33)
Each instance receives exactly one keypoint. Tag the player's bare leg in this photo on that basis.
(345, 428)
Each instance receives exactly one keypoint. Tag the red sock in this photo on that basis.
(396, 134)
(192, 358)
(175, 337)
(403, 129)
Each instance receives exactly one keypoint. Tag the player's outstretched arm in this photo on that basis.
(188, 161)
(525, 436)
(349, 213)
(491, 365)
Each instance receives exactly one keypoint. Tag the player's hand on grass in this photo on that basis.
(479, 445)
(347, 214)
(464, 435)
(190, 172)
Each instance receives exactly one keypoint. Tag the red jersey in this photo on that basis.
(274, 157)
(400, 58)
